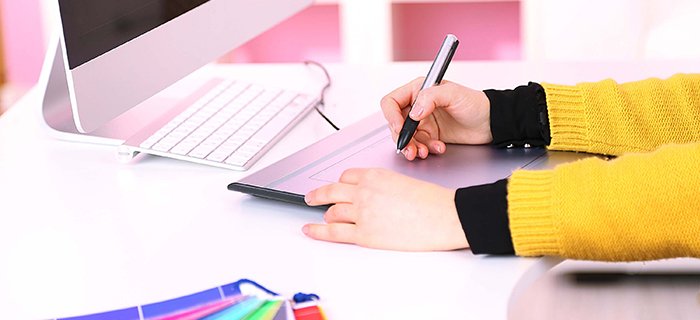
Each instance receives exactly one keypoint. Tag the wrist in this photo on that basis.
(485, 104)
(451, 236)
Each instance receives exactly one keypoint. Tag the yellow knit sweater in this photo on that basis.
(643, 205)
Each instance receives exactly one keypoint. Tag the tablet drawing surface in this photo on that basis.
(368, 144)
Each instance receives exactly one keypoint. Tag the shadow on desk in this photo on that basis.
(586, 290)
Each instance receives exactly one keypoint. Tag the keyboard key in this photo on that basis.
(237, 160)
(204, 149)
(185, 146)
(218, 156)
(231, 124)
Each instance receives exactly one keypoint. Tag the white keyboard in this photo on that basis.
(231, 126)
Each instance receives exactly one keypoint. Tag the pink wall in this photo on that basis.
(23, 40)
(487, 31)
(313, 34)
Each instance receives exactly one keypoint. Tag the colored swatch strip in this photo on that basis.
(221, 303)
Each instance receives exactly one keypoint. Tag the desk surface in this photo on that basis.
(81, 232)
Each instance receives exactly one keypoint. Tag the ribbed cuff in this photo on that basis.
(567, 117)
(483, 213)
(530, 213)
(519, 116)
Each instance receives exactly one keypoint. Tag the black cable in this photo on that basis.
(322, 97)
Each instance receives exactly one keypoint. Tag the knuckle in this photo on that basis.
(427, 95)
(364, 196)
(328, 217)
(423, 100)
(347, 173)
(451, 85)
(320, 233)
(334, 232)
(322, 194)
(339, 233)
(386, 101)
(332, 213)
(331, 192)
(372, 174)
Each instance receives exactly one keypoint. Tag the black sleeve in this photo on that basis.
(518, 118)
(483, 213)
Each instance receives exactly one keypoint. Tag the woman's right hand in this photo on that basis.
(448, 113)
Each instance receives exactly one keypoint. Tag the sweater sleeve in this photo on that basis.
(640, 206)
(609, 118)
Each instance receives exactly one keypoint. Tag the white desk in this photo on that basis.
(82, 233)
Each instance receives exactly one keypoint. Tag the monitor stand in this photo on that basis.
(57, 114)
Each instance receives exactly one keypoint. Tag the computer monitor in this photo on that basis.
(118, 53)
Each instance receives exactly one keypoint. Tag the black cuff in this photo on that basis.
(519, 116)
(483, 213)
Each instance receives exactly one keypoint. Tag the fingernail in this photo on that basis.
(308, 197)
(438, 148)
(416, 111)
(305, 229)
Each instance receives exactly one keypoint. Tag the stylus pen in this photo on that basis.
(437, 70)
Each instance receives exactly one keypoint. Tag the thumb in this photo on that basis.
(430, 98)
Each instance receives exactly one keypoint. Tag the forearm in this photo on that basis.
(609, 118)
(581, 120)
(636, 207)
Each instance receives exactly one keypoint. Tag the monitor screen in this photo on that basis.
(119, 53)
(94, 27)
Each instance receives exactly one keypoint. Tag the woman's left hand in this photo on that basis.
(378, 208)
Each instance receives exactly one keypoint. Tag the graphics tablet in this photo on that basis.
(368, 144)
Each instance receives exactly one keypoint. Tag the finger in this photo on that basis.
(340, 213)
(330, 193)
(434, 97)
(410, 151)
(352, 175)
(334, 232)
(393, 103)
(422, 151)
(422, 139)
(436, 146)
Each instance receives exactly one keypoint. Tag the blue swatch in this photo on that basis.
(181, 303)
(122, 314)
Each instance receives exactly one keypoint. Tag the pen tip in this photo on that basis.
(398, 151)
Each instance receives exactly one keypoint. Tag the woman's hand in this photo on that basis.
(448, 113)
(378, 208)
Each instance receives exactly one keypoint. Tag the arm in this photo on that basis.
(369, 211)
(637, 207)
(609, 118)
